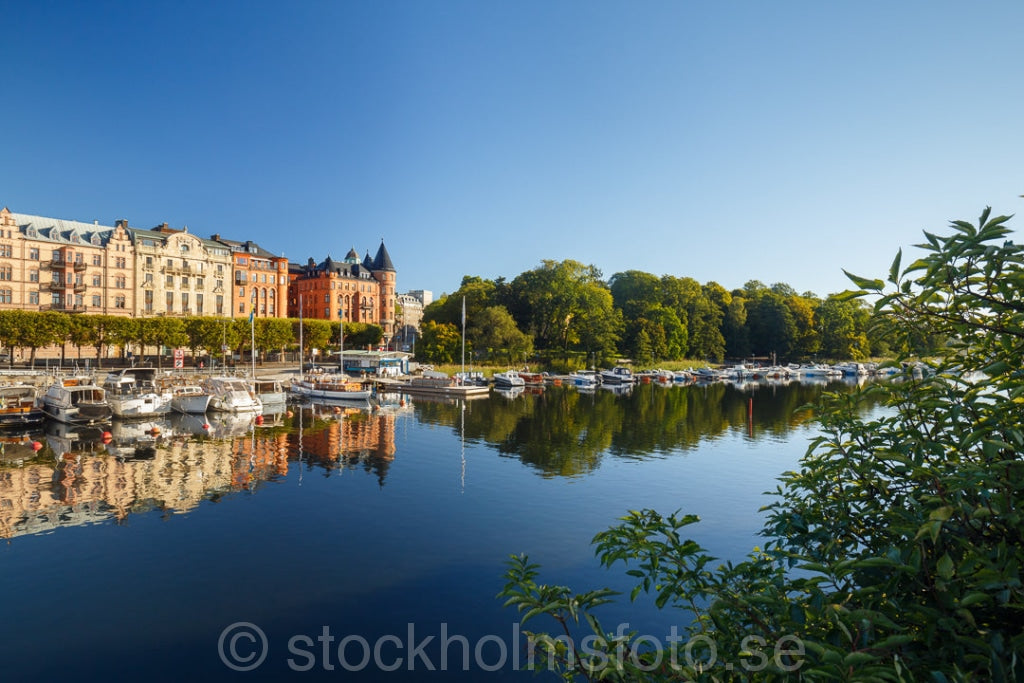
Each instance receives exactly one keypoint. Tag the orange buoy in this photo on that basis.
(108, 435)
(36, 445)
(259, 419)
(155, 430)
(290, 414)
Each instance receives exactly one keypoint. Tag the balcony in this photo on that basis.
(64, 308)
(80, 266)
(79, 287)
(54, 286)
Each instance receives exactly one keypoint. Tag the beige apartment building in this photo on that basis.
(180, 274)
(63, 265)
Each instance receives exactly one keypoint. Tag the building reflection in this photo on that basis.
(87, 476)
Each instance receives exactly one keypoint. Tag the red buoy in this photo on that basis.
(36, 445)
(259, 419)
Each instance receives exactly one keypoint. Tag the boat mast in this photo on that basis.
(463, 339)
(341, 352)
(301, 352)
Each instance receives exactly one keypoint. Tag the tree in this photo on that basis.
(439, 343)
(43, 329)
(904, 528)
(493, 328)
(11, 324)
(842, 328)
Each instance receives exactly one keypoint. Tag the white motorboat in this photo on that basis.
(190, 398)
(132, 393)
(584, 379)
(509, 379)
(77, 400)
(232, 395)
(617, 375)
(272, 394)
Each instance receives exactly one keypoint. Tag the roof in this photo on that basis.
(383, 260)
(61, 231)
(248, 247)
(162, 236)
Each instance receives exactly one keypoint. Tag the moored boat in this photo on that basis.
(190, 398)
(336, 387)
(132, 393)
(19, 405)
(584, 379)
(617, 375)
(272, 394)
(232, 395)
(509, 379)
(77, 400)
(532, 378)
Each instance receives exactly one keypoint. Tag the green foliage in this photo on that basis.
(894, 553)
(439, 343)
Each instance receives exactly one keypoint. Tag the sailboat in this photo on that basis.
(333, 387)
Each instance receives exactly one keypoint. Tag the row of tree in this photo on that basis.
(566, 309)
(35, 330)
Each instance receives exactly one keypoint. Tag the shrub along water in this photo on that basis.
(894, 553)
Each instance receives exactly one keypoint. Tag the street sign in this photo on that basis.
(179, 358)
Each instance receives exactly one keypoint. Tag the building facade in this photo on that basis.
(181, 274)
(61, 265)
(260, 280)
(349, 290)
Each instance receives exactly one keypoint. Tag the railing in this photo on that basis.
(66, 308)
(79, 266)
(79, 287)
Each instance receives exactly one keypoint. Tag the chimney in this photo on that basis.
(122, 223)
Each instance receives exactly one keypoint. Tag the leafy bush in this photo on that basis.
(894, 553)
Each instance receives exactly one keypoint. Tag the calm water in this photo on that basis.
(132, 558)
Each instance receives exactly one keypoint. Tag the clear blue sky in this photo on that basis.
(726, 141)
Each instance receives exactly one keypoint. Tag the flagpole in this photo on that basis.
(252, 332)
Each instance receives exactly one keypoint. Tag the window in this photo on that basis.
(184, 248)
(241, 292)
(6, 272)
(54, 255)
(170, 281)
(220, 305)
(200, 283)
(241, 307)
(119, 301)
(148, 299)
(218, 284)
(170, 263)
(184, 301)
(271, 308)
(120, 281)
(327, 299)
(220, 269)
(79, 301)
(122, 262)
(5, 250)
(79, 258)
(56, 299)
(33, 276)
(6, 296)
(147, 278)
(264, 278)
(149, 261)
(33, 298)
(169, 301)
(184, 283)
(327, 313)
(199, 304)
(97, 260)
(97, 281)
(97, 301)
(254, 295)
(33, 254)
(242, 261)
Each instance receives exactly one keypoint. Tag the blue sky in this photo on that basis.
(722, 141)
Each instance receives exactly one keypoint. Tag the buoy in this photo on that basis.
(108, 435)
(259, 419)
(36, 445)
(290, 414)
(401, 401)
(206, 425)
(154, 430)
(337, 409)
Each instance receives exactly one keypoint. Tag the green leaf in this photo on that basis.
(944, 567)
(894, 269)
(864, 283)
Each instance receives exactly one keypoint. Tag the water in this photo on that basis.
(132, 556)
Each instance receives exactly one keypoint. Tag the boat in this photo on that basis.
(617, 375)
(77, 400)
(335, 386)
(19, 405)
(584, 379)
(818, 371)
(190, 398)
(232, 395)
(533, 378)
(273, 395)
(508, 380)
(132, 393)
(444, 386)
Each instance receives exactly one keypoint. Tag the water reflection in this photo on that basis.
(69, 475)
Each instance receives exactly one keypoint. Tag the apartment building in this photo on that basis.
(180, 274)
(350, 290)
(65, 265)
(260, 280)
